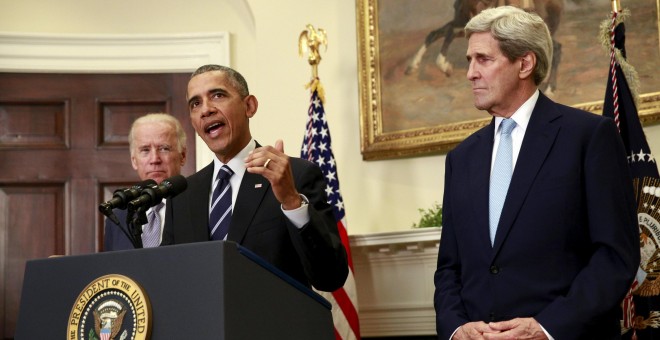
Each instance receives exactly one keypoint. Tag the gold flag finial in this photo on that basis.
(616, 6)
(309, 41)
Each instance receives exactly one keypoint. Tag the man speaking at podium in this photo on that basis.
(256, 196)
(157, 143)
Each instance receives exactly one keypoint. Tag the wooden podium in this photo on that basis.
(208, 290)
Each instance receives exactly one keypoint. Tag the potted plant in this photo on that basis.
(431, 217)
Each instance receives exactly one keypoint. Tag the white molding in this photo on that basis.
(394, 278)
(397, 322)
(129, 53)
(400, 238)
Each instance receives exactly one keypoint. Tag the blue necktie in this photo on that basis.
(500, 176)
(220, 216)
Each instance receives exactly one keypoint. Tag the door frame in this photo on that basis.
(114, 53)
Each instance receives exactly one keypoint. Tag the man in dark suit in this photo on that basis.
(555, 260)
(157, 144)
(280, 210)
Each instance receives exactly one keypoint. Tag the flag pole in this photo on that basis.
(309, 41)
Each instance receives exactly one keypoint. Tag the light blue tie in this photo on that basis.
(500, 176)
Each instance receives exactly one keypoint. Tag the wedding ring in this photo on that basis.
(266, 164)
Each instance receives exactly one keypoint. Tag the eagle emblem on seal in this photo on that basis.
(108, 318)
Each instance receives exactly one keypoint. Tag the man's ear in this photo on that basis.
(134, 163)
(527, 65)
(251, 104)
(183, 156)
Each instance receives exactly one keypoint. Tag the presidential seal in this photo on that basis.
(112, 307)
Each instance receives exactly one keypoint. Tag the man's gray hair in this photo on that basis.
(517, 32)
(160, 117)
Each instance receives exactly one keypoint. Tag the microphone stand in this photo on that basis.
(107, 211)
(124, 229)
(134, 220)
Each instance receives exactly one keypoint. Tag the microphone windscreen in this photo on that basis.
(146, 183)
(175, 185)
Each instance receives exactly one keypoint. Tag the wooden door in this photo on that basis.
(64, 150)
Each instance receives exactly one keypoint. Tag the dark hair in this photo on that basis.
(235, 78)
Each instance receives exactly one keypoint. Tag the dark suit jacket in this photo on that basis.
(313, 255)
(567, 245)
(115, 239)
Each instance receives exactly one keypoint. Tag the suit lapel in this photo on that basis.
(479, 173)
(250, 194)
(199, 210)
(540, 136)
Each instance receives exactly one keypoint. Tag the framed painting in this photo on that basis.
(411, 106)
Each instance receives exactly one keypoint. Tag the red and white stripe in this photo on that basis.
(344, 300)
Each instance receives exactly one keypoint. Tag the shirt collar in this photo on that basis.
(522, 115)
(237, 164)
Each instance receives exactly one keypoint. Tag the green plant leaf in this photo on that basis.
(431, 217)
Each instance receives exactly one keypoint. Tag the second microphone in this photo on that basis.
(154, 194)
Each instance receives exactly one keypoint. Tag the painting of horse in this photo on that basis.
(416, 97)
(464, 10)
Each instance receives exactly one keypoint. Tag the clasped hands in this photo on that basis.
(519, 328)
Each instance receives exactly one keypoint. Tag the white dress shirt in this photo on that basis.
(299, 217)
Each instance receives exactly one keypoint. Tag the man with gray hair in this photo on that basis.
(539, 236)
(157, 143)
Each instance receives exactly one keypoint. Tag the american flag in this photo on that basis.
(316, 148)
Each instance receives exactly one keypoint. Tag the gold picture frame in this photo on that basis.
(428, 112)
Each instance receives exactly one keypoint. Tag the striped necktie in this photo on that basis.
(220, 215)
(151, 232)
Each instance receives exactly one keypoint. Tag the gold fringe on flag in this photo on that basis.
(315, 85)
(653, 321)
(628, 70)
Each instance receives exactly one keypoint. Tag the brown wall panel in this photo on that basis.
(118, 115)
(31, 226)
(33, 124)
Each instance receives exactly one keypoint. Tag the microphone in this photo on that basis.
(154, 194)
(121, 197)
